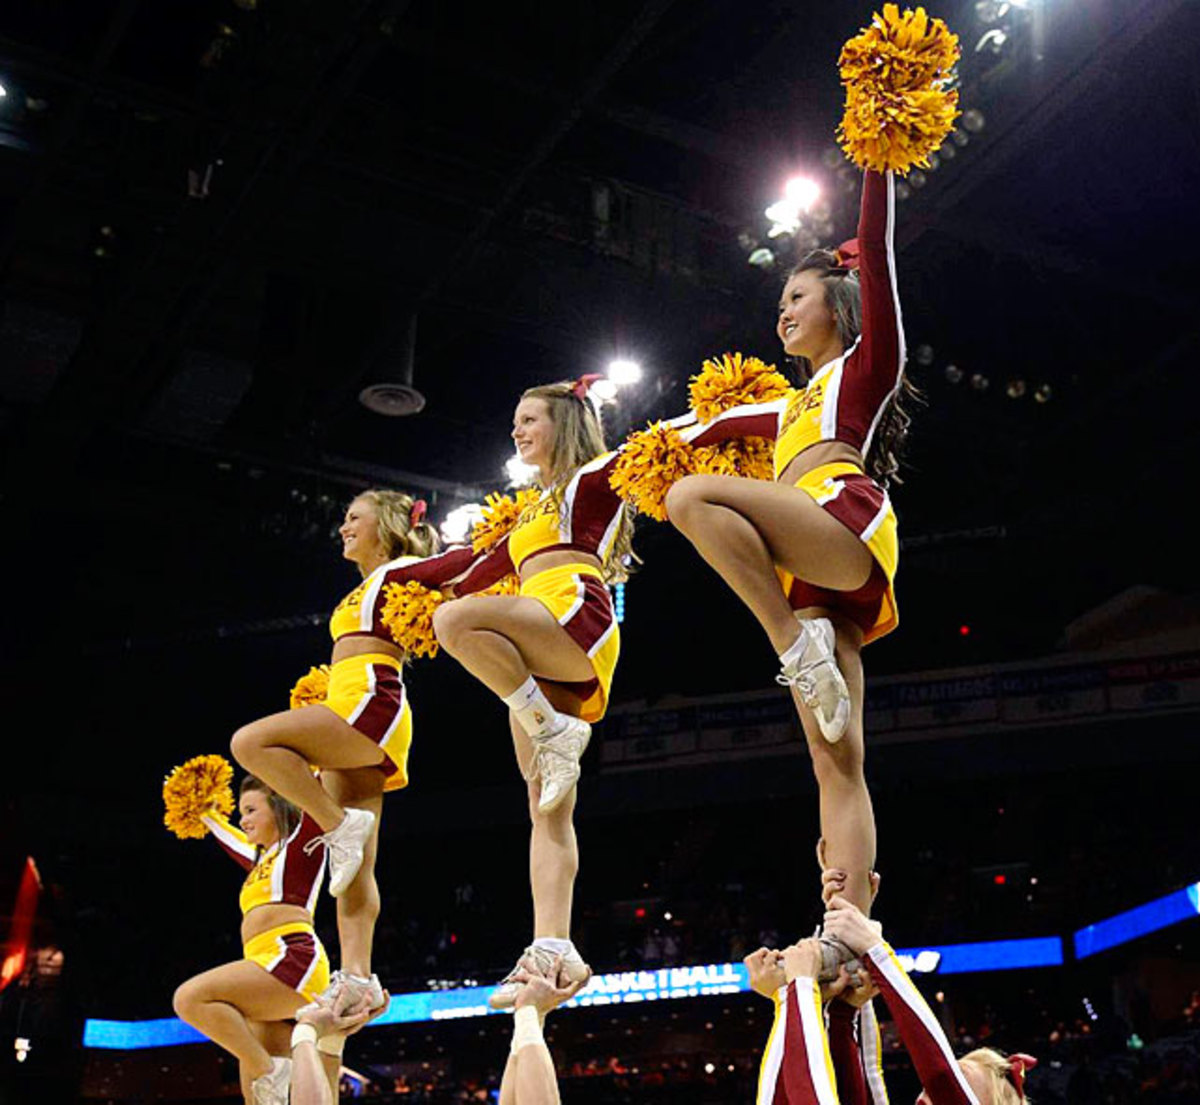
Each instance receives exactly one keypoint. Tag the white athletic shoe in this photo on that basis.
(814, 673)
(355, 988)
(556, 761)
(272, 1088)
(573, 967)
(344, 846)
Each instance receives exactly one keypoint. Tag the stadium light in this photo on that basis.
(799, 195)
(519, 473)
(623, 372)
(458, 523)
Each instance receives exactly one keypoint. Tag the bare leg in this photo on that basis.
(503, 639)
(743, 528)
(276, 1037)
(553, 850)
(358, 908)
(220, 1002)
(280, 748)
(847, 817)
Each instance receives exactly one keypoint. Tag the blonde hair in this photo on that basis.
(579, 438)
(397, 534)
(996, 1069)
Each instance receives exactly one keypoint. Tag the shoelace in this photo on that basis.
(803, 680)
(315, 843)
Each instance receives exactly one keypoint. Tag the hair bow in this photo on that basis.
(847, 254)
(1018, 1064)
(416, 513)
(584, 384)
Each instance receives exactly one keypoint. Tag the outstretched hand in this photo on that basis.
(341, 1015)
(847, 923)
(855, 988)
(546, 990)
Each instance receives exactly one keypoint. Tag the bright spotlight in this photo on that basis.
(623, 372)
(3, 91)
(803, 192)
(762, 258)
(519, 473)
(458, 523)
(604, 391)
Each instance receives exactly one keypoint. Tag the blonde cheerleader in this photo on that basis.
(357, 732)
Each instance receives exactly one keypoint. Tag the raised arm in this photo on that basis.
(919, 1029)
(230, 838)
(844, 1051)
(879, 356)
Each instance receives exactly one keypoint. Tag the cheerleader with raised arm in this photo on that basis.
(242, 1006)
(813, 553)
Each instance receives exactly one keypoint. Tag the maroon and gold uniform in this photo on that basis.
(288, 873)
(844, 401)
(585, 518)
(797, 1066)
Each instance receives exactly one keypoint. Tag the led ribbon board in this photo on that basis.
(1158, 914)
(619, 988)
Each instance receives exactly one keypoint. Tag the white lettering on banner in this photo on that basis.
(669, 982)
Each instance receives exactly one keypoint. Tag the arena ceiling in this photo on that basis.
(220, 219)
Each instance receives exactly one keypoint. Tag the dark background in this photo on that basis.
(216, 223)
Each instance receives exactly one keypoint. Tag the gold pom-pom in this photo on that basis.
(733, 381)
(500, 514)
(408, 615)
(650, 463)
(199, 786)
(898, 106)
(748, 457)
(311, 688)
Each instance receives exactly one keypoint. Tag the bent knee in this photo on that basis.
(449, 623)
(185, 999)
(682, 498)
(244, 743)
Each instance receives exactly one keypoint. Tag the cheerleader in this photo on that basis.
(549, 652)
(358, 735)
(813, 554)
(981, 1077)
(240, 1006)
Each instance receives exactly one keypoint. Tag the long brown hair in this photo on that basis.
(844, 298)
(579, 438)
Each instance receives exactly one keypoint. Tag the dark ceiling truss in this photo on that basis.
(116, 362)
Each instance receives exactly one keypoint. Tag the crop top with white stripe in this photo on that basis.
(587, 520)
(286, 873)
(846, 398)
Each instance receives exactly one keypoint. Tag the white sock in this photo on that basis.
(556, 944)
(537, 717)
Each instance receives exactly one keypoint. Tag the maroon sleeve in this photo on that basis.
(843, 1049)
(919, 1030)
(755, 420)
(461, 566)
(880, 353)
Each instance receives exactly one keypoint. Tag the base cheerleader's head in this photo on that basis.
(997, 1079)
(400, 524)
(284, 815)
